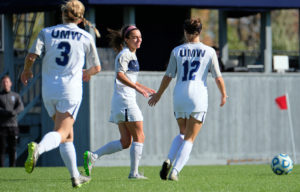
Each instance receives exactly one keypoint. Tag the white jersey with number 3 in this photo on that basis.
(67, 48)
(191, 62)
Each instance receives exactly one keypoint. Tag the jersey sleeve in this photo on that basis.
(122, 65)
(172, 66)
(38, 46)
(214, 68)
(92, 55)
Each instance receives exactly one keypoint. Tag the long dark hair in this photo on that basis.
(117, 37)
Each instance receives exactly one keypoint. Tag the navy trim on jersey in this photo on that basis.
(74, 110)
(203, 117)
(126, 115)
(133, 65)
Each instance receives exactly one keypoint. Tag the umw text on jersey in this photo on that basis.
(62, 34)
(191, 52)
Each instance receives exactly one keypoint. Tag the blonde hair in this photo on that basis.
(73, 10)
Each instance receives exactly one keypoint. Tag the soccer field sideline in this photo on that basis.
(231, 178)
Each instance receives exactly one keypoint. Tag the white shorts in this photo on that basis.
(126, 115)
(62, 106)
(200, 116)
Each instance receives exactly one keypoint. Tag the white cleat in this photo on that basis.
(173, 177)
(137, 176)
(79, 181)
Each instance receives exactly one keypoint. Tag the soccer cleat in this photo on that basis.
(32, 157)
(137, 176)
(79, 181)
(89, 162)
(173, 177)
(166, 166)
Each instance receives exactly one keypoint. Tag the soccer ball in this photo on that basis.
(282, 164)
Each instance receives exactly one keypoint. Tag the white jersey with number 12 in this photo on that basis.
(192, 62)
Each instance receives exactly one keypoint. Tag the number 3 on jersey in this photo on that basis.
(65, 48)
(188, 74)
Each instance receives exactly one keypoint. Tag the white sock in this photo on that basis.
(50, 141)
(68, 154)
(177, 142)
(136, 151)
(109, 148)
(183, 155)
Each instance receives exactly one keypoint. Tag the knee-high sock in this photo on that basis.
(136, 151)
(68, 154)
(109, 148)
(50, 141)
(177, 142)
(183, 155)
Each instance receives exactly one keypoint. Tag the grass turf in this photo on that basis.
(233, 178)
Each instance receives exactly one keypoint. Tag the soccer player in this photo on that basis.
(190, 62)
(66, 48)
(124, 109)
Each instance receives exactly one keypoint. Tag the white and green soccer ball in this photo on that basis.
(282, 164)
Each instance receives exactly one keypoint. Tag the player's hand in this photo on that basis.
(154, 99)
(223, 100)
(142, 91)
(151, 92)
(85, 75)
(25, 76)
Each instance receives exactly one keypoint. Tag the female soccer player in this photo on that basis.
(66, 48)
(124, 109)
(191, 62)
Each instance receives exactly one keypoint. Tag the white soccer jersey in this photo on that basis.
(126, 62)
(191, 62)
(66, 49)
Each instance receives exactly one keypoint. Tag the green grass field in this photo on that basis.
(247, 178)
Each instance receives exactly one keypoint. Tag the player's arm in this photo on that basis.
(149, 90)
(86, 76)
(122, 68)
(170, 73)
(35, 51)
(92, 58)
(221, 85)
(218, 78)
(163, 86)
(123, 78)
(27, 72)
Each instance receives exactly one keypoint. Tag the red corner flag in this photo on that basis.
(281, 102)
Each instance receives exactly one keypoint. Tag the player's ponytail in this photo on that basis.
(86, 22)
(116, 39)
(73, 10)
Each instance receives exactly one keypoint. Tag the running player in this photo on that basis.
(124, 109)
(191, 62)
(66, 48)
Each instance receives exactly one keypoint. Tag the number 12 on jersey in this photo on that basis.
(189, 70)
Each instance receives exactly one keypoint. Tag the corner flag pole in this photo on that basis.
(291, 127)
